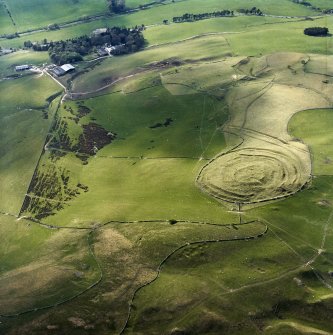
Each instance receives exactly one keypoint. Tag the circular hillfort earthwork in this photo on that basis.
(252, 175)
(267, 164)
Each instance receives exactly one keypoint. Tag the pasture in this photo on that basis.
(38, 14)
(143, 152)
(153, 16)
(183, 189)
(8, 62)
(25, 122)
(311, 127)
(42, 267)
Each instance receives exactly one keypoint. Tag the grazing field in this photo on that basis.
(155, 33)
(42, 267)
(323, 4)
(152, 16)
(25, 121)
(40, 13)
(311, 127)
(146, 148)
(183, 189)
(6, 24)
(268, 164)
(100, 76)
(8, 62)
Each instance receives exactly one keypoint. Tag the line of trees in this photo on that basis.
(309, 4)
(196, 17)
(252, 11)
(316, 31)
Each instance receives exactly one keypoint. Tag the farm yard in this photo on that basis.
(185, 188)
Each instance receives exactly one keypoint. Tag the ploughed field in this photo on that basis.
(183, 189)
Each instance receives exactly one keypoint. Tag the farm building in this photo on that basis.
(62, 70)
(22, 67)
(68, 68)
(58, 71)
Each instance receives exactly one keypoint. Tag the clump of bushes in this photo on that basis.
(316, 31)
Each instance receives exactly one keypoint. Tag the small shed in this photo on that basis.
(22, 67)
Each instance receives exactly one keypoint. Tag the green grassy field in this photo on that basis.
(8, 62)
(114, 226)
(42, 267)
(41, 13)
(30, 117)
(311, 127)
(323, 4)
(114, 68)
(141, 155)
(6, 24)
(156, 15)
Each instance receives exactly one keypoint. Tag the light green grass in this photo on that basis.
(120, 189)
(312, 127)
(303, 215)
(323, 4)
(130, 189)
(197, 282)
(23, 131)
(192, 133)
(6, 24)
(287, 37)
(39, 13)
(8, 62)
(283, 37)
(193, 292)
(115, 67)
(173, 32)
(157, 14)
(38, 266)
